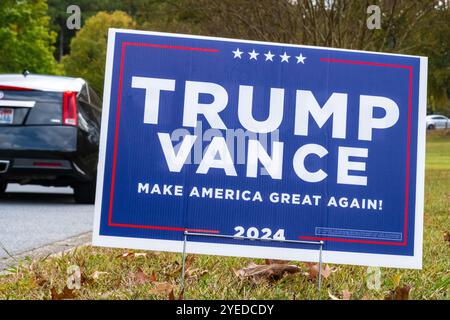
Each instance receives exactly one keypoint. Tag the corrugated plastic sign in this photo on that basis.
(261, 140)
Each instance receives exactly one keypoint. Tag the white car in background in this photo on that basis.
(437, 121)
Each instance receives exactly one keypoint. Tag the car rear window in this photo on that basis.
(47, 109)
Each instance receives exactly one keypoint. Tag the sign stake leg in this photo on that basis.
(183, 262)
(320, 267)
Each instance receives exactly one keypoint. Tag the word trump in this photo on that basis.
(307, 108)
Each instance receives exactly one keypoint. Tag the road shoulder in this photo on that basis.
(52, 249)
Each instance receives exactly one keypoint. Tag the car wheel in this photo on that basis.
(431, 127)
(3, 186)
(84, 193)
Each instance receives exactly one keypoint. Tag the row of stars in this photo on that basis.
(269, 56)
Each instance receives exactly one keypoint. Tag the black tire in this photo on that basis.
(84, 193)
(431, 127)
(3, 186)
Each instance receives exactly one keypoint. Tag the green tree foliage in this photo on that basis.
(159, 15)
(435, 40)
(25, 40)
(57, 10)
(166, 16)
(88, 48)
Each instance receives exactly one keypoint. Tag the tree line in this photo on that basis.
(34, 36)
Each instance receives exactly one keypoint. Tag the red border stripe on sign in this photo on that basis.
(408, 153)
(116, 138)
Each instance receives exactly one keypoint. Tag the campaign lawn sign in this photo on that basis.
(261, 140)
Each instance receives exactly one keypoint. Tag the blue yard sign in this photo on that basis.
(261, 140)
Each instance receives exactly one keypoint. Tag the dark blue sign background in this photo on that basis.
(134, 154)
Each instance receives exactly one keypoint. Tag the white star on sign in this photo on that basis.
(253, 55)
(301, 59)
(269, 56)
(285, 57)
(237, 53)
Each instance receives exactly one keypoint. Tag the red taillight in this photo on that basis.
(47, 164)
(70, 116)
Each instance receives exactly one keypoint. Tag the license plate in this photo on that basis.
(6, 116)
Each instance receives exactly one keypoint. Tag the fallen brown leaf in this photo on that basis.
(189, 260)
(346, 295)
(270, 271)
(140, 254)
(399, 293)
(313, 271)
(40, 281)
(141, 278)
(132, 254)
(97, 274)
(86, 280)
(66, 294)
(195, 273)
(447, 236)
(332, 296)
(152, 277)
(162, 287)
(171, 295)
(125, 254)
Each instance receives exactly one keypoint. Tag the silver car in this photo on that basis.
(436, 121)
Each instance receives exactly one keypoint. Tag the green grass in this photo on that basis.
(213, 277)
(438, 150)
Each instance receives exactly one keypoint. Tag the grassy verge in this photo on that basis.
(124, 274)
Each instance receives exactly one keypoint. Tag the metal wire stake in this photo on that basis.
(183, 261)
(320, 265)
(198, 234)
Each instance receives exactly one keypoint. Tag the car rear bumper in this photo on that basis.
(44, 155)
(38, 138)
(43, 171)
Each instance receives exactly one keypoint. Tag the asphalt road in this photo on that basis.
(32, 217)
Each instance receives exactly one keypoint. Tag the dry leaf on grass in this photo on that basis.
(346, 295)
(399, 293)
(97, 274)
(132, 254)
(172, 295)
(140, 254)
(66, 294)
(195, 273)
(447, 236)
(313, 271)
(189, 260)
(162, 287)
(125, 254)
(141, 278)
(332, 296)
(40, 281)
(176, 266)
(269, 271)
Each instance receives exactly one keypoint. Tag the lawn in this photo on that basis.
(125, 274)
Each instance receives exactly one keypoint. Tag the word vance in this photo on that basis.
(218, 156)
